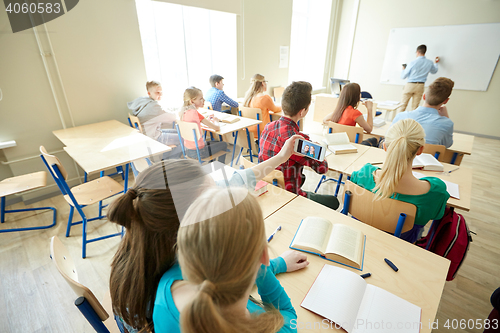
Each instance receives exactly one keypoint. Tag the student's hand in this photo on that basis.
(369, 105)
(443, 111)
(294, 260)
(287, 149)
(436, 60)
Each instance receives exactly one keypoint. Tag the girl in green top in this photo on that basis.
(403, 141)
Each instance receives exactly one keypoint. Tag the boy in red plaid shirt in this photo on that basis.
(295, 103)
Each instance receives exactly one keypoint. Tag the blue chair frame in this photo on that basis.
(65, 190)
(196, 143)
(250, 142)
(89, 313)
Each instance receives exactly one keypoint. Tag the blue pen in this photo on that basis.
(274, 233)
(391, 265)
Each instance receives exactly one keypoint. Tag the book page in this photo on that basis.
(313, 234)
(380, 307)
(337, 138)
(346, 241)
(336, 294)
(430, 162)
(417, 163)
(335, 148)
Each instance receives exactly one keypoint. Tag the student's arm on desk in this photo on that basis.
(208, 123)
(264, 168)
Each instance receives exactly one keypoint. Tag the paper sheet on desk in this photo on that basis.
(451, 188)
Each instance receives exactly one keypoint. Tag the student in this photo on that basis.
(346, 112)
(216, 95)
(151, 211)
(306, 150)
(153, 117)
(256, 97)
(403, 141)
(416, 72)
(311, 152)
(193, 99)
(295, 101)
(433, 115)
(222, 250)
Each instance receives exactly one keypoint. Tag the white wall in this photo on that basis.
(471, 111)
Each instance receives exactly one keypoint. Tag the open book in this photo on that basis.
(338, 143)
(336, 242)
(228, 118)
(346, 299)
(427, 162)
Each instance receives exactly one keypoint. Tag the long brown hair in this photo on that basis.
(256, 87)
(221, 241)
(150, 211)
(349, 96)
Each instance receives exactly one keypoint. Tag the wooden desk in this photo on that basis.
(342, 162)
(462, 176)
(420, 279)
(269, 202)
(105, 145)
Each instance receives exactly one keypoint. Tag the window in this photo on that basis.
(183, 46)
(309, 41)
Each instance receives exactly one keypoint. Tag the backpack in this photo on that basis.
(450, 238)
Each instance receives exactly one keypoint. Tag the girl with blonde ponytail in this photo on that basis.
(222, 250)
(256, 97)
(403, 141)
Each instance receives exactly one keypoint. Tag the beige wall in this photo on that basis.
(99, 54)
(472, 111)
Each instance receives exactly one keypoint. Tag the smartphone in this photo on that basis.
(310, 149)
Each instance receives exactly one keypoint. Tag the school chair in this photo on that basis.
(275, 174)
(96, 314)
(19, 184)
(436, 150)
(81, 196)
(135, 123)
(190, 131)
(390, 215)
(252, 113)
(249, 145)
(355, 133)
(323, 105)
(366, 94)
(278, 93)
(140, 165)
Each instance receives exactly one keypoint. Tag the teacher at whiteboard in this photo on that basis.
(416, 72)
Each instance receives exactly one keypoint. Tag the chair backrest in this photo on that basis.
(350, 130)
(435, 149)
(278, 93)
(366, 94)
(275, 174)
(64, 263)
(381, 214)
(51, 160)
(186, 130)
(243, 140)
(250, 112)
(135, 122)
(324, 105)
(208, 105)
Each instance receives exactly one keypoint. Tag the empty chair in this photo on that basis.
(252, 113)
(81, 196)
(366, 94)
(389, 215)
(278, 92)
(135, 123)
(86, 302)
(19, 184)
(435, 150)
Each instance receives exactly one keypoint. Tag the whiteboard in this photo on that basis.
(468, 54)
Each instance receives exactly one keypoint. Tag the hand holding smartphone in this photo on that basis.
(310, 149)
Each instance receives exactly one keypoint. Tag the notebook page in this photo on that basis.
(382, 311)
(336, 294)
(313, 233)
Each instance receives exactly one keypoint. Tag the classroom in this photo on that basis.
(84, 66)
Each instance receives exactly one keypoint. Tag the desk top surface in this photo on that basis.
(342, 162)
(420, 279)
(229, 128)
(461, 176)
(100, 146)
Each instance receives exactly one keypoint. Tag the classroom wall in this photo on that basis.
(98, 51)
(472, 111)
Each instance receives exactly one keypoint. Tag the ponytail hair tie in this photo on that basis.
(132, 193)
(208, 287)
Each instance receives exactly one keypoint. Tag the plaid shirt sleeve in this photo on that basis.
(223, 97)
(272, 139)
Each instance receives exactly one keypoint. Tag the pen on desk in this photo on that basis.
(391, 265)
(272, 235)
(364, 276)
(453, 170)
(377, 163)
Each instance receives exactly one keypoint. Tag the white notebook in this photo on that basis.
(338, 143)
(350, 302)
(427, 162)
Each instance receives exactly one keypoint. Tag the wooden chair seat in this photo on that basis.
(23, 183)
(94, 191)
(381, 214)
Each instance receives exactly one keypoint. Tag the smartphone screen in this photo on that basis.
(309, 149)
